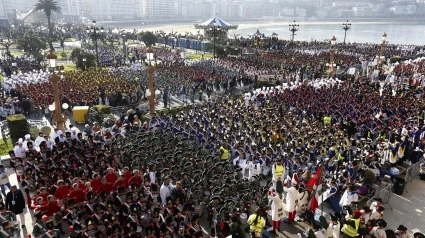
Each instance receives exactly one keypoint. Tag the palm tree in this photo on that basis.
(48, 6)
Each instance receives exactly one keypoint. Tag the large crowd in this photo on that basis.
(220, 168)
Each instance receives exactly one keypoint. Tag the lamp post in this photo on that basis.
(293, 28)
(54, 78)
(124, 47)
(346, 26)
(214, 30)
(150, 69)
(331, 63)
(94, 34)
(381, 54)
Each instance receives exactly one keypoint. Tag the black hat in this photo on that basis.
(133, 208)
(402, 228)
(333, 217)
(111, 217)
(90, 195)
(195, 217)
(71, 201)
(133, 226)
(81, 214)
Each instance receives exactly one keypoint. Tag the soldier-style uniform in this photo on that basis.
(9, 230)
(79, 225)
(17, 164)
(89, 207)
(98, 218)
(213, 205)
(115, 231)
(39, 227)
(225, 192)
(91, 229)
(136, 163)
(70, 213)
(6, 215)
(186, 183)
(170, 210)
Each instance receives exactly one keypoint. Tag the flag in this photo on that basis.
(314, 186)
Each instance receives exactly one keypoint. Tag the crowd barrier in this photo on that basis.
(384, 194)
(412, 172)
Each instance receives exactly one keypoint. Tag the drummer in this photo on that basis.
(4, 179)
(17, 164)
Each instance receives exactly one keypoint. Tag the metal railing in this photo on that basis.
(37, 123)
(383, 193)
(4, 129)
(412, 172)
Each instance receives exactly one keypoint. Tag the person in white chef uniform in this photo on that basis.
(277, 206)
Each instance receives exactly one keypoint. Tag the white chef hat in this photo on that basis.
(20, 141)
(27, 136)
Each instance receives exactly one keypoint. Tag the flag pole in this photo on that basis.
(321, 209)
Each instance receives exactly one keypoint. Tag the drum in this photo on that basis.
(243, 218)
(253, 208)
(266, 170)
(198, 210)
(144, 219)
(139, 229)
(19, 170)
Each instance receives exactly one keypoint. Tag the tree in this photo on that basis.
(148, 38)
(48, 6)
(31, 44)
(78, 55)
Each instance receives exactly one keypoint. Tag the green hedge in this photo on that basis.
(395, 59)
(173, 111)
(103, 109)
(34, 132)
(18, 126)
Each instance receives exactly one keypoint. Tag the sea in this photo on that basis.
(397, 33)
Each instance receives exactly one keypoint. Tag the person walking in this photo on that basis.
(4, 179)
(15, 202)
(256, 223)
(277, 206)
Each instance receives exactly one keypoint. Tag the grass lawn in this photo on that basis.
(5, 146)
(69, 67)
(70, 39)
(17, 53)
(199, 56)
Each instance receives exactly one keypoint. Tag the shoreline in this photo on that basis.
(189, 27)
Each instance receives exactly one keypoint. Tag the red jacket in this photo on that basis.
(111, 178)
(95, 184)
(79, 196)
(134, 179)
(128, 175)
(107, 188)
(62, 193)
(51, 208)
(120, 182)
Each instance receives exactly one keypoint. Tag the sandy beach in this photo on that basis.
(187, 27)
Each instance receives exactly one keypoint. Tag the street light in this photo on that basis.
(214, 30)
(150, 69)
(331, 64)
(294, 28)
(383, 44)
(54, 78)
(346, 26)
(93, 33)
